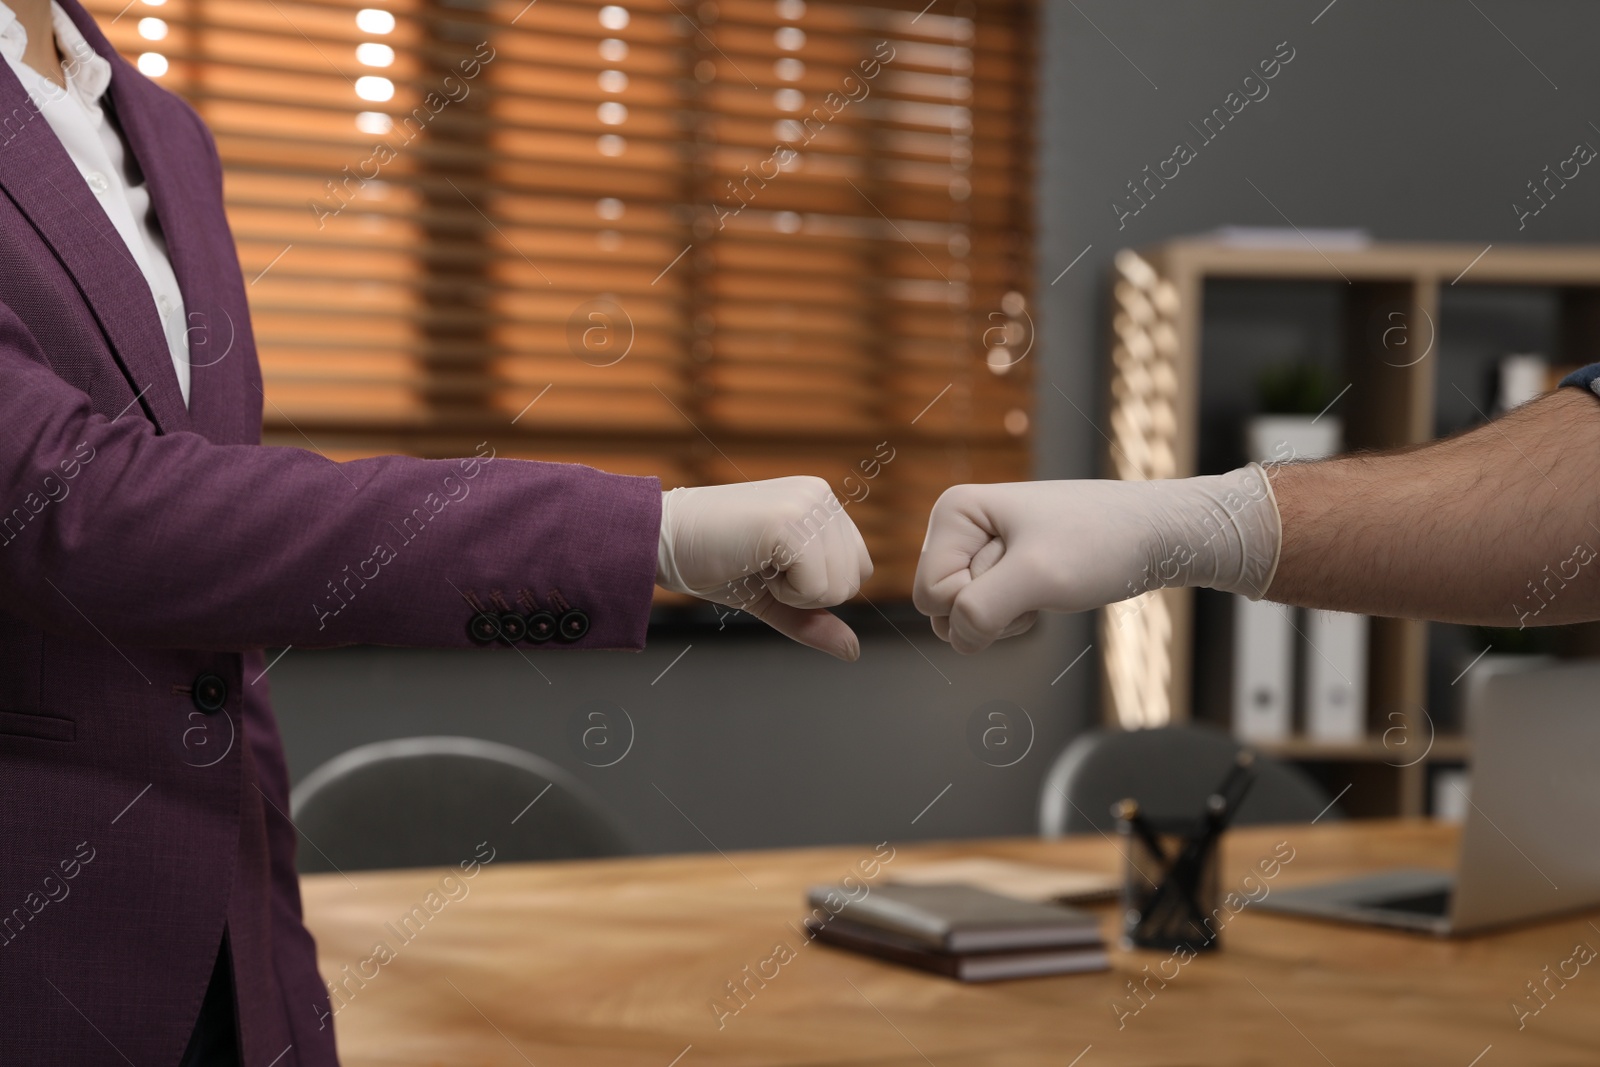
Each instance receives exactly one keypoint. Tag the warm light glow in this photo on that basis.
(790, 38)
(613, 81)
(374, 88)
(613, 50)
(1136, 635)
(374, 20)
(792, 9)
(614, 17)
(789, 99)
(612, 113)
(789, 69)
(609, 208)
(1136, 269)
(374, 122)
(152, 64)
(152, 29)
(374, 55)
(611, 144)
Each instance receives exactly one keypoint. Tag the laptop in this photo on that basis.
(1530, 846)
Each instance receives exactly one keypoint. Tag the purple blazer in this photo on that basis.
(149, 552)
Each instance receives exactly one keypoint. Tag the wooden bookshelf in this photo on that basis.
(1391, 321)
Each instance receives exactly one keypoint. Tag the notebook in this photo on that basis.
(973, 967)
(962, 918)
(1025, 881)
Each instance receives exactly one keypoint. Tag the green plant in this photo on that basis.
(1293, 389)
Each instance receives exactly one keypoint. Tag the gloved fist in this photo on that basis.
(781, 549)
(996, 555)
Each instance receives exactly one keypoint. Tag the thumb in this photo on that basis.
(815, 628)
(993, 605)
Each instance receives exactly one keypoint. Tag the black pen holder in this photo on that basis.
(1170, 896)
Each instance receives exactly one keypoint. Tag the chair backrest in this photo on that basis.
(1170, 771)
(430, 801)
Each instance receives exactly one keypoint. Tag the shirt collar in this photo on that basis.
(88, 73)
(13, 38)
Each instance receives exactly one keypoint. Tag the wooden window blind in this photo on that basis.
(706, 241)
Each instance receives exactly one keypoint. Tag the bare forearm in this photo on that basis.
(1499, 526)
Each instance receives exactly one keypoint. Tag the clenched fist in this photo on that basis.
(783, 549)
(996, 555)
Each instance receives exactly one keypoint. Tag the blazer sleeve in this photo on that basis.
(110, 530)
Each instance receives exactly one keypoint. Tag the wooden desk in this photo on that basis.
(620, 962)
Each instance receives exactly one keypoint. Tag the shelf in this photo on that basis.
(1385, 310)
(1371, 750)
(1458, 264)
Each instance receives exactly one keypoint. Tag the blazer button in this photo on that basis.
(513, 627)
(210, 693)
(574, 624)
(541, 627)
(483, 627)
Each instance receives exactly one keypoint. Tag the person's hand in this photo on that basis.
(996, 555)
(782, 549)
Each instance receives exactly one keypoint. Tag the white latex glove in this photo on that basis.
(995, 555)
(781, 549)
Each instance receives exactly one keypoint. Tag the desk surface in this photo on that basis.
(621, 963)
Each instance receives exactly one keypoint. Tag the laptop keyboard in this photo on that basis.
(1434, 903)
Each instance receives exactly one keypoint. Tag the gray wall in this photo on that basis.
(1415, 121)
(760, 743)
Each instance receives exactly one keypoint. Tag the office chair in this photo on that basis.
(1170, 771)
(430, 801)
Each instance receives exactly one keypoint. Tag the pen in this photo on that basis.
(1129, 812)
